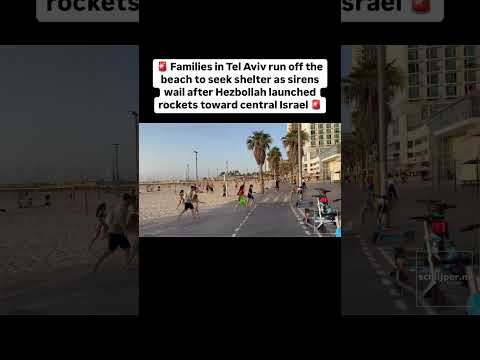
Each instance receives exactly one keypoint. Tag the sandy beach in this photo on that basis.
(34, 241)
(163, 203)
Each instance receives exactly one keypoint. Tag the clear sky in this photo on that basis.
(61, 108)
(166, 149)
(346, 60)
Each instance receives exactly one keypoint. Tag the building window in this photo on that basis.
(410, 144)
(469, 51)
(413, 79)
(433, 66)
(413, 68)
(470, 62)
(412, 54)
(413, 92)
(470, 76)
(329, 142)
(432, 79)
(410, 155)
(451, 78)
(450, 65)
(450, 51)
(451, 90)
(433, 91)
(432, 53)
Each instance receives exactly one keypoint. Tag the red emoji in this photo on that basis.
(421, 6)
(316, 104)
(162, 66)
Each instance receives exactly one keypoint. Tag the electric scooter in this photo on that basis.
(440, 258)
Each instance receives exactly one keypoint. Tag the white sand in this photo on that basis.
(157, 204)
(40, 239)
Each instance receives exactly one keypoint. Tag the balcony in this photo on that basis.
(460, 114)
(334, 150)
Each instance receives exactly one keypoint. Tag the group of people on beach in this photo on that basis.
(116, 225)
(25, 200)
(190, 201)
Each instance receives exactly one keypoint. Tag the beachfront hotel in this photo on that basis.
(322, 152)
(436, 115)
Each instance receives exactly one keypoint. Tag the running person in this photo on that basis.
(101, 215)
(117, 231)
(241, 194)
(188, 201)
(277, 185)
(195, 202)
(181, 194)
(251, 199)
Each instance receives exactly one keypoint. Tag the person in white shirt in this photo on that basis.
(117, 231)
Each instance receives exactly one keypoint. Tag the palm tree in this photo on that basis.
(290, 142)
(274, 157)
(259, 142)
(360, 89)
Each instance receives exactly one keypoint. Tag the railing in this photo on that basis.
(330, 151)
(463, 109)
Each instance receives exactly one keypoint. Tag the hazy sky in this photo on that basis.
(166, 149)
(346, 59)
(61, 108)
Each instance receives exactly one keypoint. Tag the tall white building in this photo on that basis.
(322, 136)
(437, 77)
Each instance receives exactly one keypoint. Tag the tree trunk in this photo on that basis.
(262, 185)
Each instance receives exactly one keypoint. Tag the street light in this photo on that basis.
(196, 165)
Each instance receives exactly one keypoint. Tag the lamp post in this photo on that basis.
(196, 165)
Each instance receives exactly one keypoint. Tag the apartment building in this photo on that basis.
(322, 136)
(437, 77)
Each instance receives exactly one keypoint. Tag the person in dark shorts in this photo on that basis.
(117, 231)
(251, 199)
(277, 185)
(188, 201)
